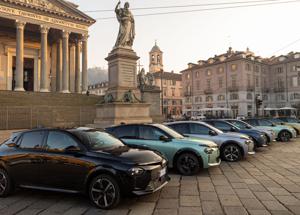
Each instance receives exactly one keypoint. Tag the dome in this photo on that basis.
(155, 48)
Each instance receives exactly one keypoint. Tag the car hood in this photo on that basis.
(197, 141)
(250, 131)
(234, 135)
(133, 155)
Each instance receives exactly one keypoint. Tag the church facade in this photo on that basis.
(43, 46)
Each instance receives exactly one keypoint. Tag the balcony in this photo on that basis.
(233, 89)
(187, 94)
(250, 88)
(279, 90)
(208, 91)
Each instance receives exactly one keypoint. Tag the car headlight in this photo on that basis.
(135, 171)
(247, 142)
(244, 138)
(208, 150)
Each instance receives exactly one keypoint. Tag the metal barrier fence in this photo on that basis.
(25, 117)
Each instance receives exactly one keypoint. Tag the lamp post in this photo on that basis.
(162, 91)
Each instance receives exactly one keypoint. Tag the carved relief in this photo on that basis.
(44, 4)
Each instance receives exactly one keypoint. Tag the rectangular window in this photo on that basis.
(248, 80)
(208, 83)
(295, 81)
(256, 81)
(220, 82)
(233, 81)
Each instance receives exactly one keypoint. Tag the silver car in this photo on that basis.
(269, 133)
(233, 146)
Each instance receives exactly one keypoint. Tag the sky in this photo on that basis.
(189, 37)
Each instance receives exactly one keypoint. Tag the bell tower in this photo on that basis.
(155, 59)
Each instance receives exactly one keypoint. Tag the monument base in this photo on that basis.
(117, 113)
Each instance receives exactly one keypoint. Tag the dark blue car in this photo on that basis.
(258, 138)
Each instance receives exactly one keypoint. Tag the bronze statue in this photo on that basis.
(127, 27)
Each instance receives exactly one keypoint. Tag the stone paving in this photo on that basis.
(263, 184)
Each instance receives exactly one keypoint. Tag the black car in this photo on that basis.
(258, 138)
(79, 161)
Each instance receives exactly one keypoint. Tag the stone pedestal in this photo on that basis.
(151, 95)
(122, 73)
(117, 113)
(122, 80)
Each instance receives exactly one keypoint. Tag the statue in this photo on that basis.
(127, 27)
(128, 97)
(142, 79)
(150, 79)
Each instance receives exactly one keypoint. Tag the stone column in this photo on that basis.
(19, 76)
(84, 64)
(58, 65)
(65, 66)
(44, 59)
(77, 67)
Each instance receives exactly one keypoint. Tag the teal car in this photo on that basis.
(282, 132)
(187, 155)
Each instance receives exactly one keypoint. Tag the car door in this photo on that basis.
(127, 133)
(25, 163)
(223, 126)
(182, 128)
(63, 169)
(200, 131)
(150, 136)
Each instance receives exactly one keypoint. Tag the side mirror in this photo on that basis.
(233, 129)
(164, 138)
(212, 133)
(273, 125)
(248, 127)
(12, 145)
(72, 150)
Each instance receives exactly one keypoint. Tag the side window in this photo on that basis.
(181, 128)
(252, 122)
(32, 140)
(223, 126)
(150, 133)
(59, 141)
(125, 132)
(264, 123)
(199, 129)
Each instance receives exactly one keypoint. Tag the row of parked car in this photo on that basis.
(127, 159)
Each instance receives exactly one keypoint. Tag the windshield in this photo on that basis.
(170, 131)
(292, 120)
(265, 123)
(101, 140)
(240, 125)
(278, 121)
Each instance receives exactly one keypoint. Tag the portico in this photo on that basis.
(43, 46)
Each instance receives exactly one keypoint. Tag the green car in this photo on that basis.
(187, 155)
(283, 133)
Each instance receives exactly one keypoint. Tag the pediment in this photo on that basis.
(56, 7)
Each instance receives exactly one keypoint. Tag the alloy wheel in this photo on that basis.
(187, 164)
(285, 136)
(232, 153)
(3, 183)
(103, 193)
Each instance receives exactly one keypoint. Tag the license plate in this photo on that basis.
(163, 172)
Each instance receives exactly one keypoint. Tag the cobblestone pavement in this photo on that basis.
(266, 183)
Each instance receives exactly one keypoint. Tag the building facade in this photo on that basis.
(98, 89)
(227, 85)
(43, 46)
(170, 84)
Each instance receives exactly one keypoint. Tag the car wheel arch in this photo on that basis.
(234, 143)
(187, 150)
(285, 130)
(99, 171)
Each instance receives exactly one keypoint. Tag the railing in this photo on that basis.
(26, 117)
(208, 91)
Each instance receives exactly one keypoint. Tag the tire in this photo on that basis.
(104, 192)
(6, 187)
(231, 153)
(188, 164)
(284, 136)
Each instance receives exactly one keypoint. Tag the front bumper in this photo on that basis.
(151, 181)
(251, 148)
(261, 141)
(214, 158)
